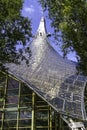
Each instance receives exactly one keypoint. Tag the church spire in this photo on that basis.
(42, 27)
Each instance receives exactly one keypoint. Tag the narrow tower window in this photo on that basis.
(40, 33)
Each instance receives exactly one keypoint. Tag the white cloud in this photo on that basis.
(29, 9)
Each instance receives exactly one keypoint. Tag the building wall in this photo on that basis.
(22, 109)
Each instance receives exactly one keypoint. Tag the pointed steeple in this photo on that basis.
(42, 27)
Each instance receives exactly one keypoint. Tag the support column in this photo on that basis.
(49, 118)
(56, 121)
(6, 82)
(18, 113)
(33, 126)
(61, 124)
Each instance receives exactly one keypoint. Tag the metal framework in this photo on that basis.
(22, 109)
(40, 96)
(52, 77)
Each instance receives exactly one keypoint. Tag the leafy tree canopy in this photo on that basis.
(70, 17)
(14, 30)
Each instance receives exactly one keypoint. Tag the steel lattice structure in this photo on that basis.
(52, 77)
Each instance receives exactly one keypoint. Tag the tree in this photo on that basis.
(15, 30)
(69, 17)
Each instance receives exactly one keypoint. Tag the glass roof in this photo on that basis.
(52, 77)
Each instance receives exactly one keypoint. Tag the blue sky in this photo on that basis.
(32, 9)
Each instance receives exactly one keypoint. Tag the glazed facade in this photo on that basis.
(22, 109)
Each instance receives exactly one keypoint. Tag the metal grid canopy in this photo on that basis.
(52, 77)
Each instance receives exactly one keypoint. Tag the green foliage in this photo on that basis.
(69, 17)
(15, 30)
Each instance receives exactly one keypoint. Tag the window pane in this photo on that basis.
(41, 122)
(9, 123)
(25, 123)
(12, 84)
(13, 99)
(24, 113)
(12, 92)
(10, 114)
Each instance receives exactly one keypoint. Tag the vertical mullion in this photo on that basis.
(61, 124)
(6, 82)
(58, 121)
(18, 113)
(55, 119)
(33, 112)
(49, 118)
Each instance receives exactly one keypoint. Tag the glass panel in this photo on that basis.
(12, 84)
(58, 102)
(64, 86)
(64, 94)
(76, 98)
(74, 108)
(1, 92)
(82, 78)
(9, 123)
(0, 122)
(25, 91)
(74, 88)
(69, 81)
(12, 92)
(24, 113)
(25, 99)
(53, 118)
(65, 126)
(42, 114)
(26, 104)
(40, 102)
(79, 83)
(0, 115)
(2, 88)
(12, 105)
(25, 123)
(41, 122)
(10, 114)
(1, 103)
(13, 99)
(2, 79)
